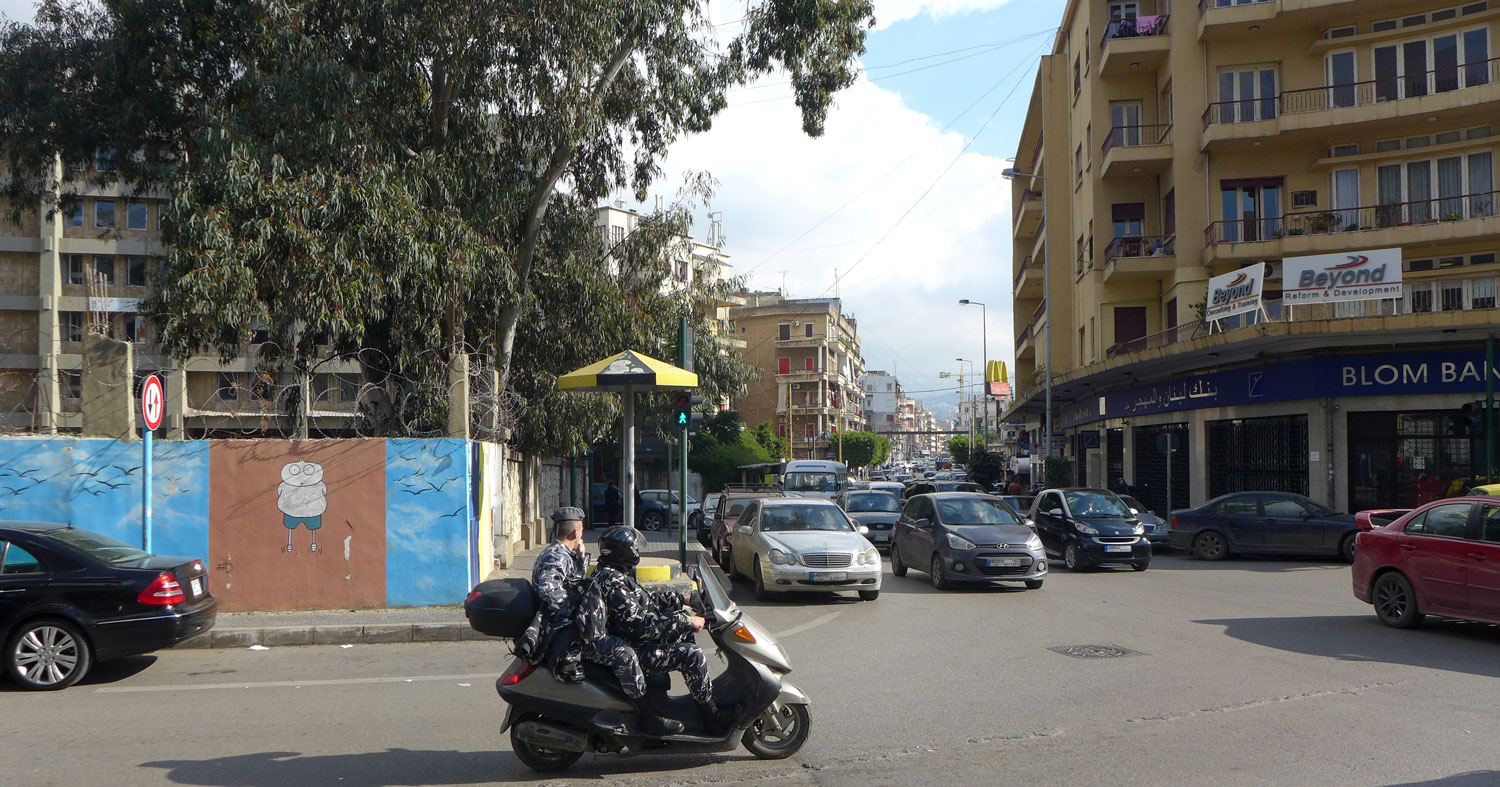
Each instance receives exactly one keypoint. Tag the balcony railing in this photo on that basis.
(1171, 336)
(1023, 336)
(1458, 207)
(1139, 246)
(1139, 27)
(1026, 196)
(1137, 136)
(1021, 271)
(1379, 91)
(1041, 309)
(1246, 110)
(1204, 5)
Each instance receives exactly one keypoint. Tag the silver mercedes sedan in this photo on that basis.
(801, 544)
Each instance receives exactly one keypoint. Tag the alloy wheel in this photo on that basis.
(47, 655)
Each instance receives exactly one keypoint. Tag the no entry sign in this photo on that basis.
(152, 402)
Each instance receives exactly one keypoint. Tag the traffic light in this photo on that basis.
(683, 416)
(1469, 422)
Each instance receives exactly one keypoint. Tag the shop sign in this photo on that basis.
(1235, 293)
(1350, 276)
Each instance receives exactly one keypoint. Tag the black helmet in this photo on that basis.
(621, 547)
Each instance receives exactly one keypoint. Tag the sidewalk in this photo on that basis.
(400, 624)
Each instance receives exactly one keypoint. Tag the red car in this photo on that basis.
(1442, 559)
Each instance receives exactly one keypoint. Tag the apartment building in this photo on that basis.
(809, 353)
(1174, 143)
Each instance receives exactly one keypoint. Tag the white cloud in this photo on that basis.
(776, 183)
(889, 12)
(18, 10)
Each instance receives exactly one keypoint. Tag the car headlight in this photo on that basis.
(1034, 542)
(1085, 529)
(958, 542)
(870, 557)
(779, 558)
(1139, 530)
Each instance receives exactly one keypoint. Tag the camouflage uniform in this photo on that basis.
(558, 578)
(639, 632)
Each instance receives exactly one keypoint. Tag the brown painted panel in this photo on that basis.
(273, 500)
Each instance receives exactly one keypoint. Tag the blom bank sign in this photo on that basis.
(1348, 276)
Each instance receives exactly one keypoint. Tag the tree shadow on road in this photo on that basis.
(1470, 779)
(403, 767)
(1455, 646)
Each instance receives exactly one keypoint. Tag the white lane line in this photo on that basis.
(811, 624)
(292, 684)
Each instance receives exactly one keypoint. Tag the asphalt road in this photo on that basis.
(1246, 672)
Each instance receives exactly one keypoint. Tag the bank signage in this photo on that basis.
(1235, 293)
(1460, 371)
(1347, 276)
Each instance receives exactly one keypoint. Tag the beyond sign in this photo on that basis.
(1327, 278)
(1235, 293)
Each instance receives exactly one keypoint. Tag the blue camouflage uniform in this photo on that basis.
(638, 632)
(558, 578)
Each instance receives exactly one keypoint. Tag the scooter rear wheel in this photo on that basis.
(540, 759)
(767, 742)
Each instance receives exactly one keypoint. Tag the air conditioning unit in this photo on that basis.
(796, 323)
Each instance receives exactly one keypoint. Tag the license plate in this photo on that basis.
(1116, 547)
(881, 537)
(829, 576)
(1004, 562)
(197, 585)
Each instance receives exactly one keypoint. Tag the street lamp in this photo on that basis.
(984, 343)
(965, 391)
(1011, 173)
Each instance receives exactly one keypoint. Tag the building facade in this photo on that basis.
(1171, 145)
(808, 352)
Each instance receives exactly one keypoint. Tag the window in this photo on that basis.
(74, 264)
(227, 389)
(1282, 508)
(1341, 32)
(1341, 75)
(104, 268)
(1247, 94)
(104, 214)
(1439, 64)
(1445, 521)
(809, 328)
(1463, 186)
(1078, 166)
(71, 324)
(18, 560)
(1252, 209)
(807, 364)
(784, 331)
(783, 365)
(1169, 214)
(1077, 77)
(71, 384)
(135, 271)
(348, 388)
(74, 213)
(616, 235)
(135, 328)
(104, 160)
(135, 215)
(1489, 524)
(1239, 505)
(1338, 151)
(1125, 124)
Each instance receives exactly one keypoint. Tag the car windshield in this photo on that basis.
(1096, 504)
(97, 546)
(1135, 505)
(875, 501)
(794, 517)
(975, 511)
(811, 482)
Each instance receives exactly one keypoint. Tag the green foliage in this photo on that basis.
(958, 447)
(1058, 472)
(719, 461)
(398, 182)
(776, 447)
(986, 468)
(882, 451)
(861, 449)
(725, 426)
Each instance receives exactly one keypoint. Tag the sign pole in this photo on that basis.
(1489, 409)
(153, 403)
(146, 493)
(684, 361)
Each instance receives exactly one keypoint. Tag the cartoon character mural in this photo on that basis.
(302, 498)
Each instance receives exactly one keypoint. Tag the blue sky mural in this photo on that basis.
(427, 521)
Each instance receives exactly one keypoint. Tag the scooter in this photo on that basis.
(553, 724)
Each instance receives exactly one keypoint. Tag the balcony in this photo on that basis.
(800, 341)
(1139, 257)
(1426, 222)
(1134, 150)
(1134, 46)
(1028, 282)
(1453, 94)
(1216, 16)
(1229, 19)
(1028, 214)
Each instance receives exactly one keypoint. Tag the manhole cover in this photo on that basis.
(1094, 651)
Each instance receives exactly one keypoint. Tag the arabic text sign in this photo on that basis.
(1349, 276)
(1235, 293)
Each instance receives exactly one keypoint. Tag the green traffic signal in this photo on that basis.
(682, 418)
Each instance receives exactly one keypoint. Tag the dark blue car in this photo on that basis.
(1263, 523)
(649, 514)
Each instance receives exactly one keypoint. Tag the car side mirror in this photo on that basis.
(924, 523)
(864, 531)
(1306, 514)
(746, 530)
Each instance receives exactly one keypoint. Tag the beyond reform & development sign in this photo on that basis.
(1347, 276)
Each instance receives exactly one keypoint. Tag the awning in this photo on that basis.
(629, 369)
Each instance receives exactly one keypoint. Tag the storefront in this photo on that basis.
(1267, 454)
(1401, 460)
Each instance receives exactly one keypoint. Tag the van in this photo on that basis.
(815, 478)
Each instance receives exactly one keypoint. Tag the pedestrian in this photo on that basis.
(638, 632)
(558, 576)
(1015, 486)
(612, 503)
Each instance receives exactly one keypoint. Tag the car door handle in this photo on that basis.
(1477, 555)
(1408, 547)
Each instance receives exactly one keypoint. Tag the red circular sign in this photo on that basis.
(153, 402)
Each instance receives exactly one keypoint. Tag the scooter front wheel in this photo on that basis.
(779, 732)
(541, 759)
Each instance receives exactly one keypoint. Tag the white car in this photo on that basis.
(802, 544)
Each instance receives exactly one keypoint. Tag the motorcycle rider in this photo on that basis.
(558, 578)
(639, 632)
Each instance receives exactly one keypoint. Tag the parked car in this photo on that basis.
(876, 509)
(791, 543)
(649, 514)
(966, 537)
(1263, 523)
(1157, 531)
(727, 514)
(668, 498)
(705, 524)
(1090, 527)
(1442, 559)
(71, 598)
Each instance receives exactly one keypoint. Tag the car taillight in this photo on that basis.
(517, 673)
(1174, 521)
(473, 595)
(163, 591)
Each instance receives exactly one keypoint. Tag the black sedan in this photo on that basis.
(876, 509)
(1263, 523)
(1090, 527)
(71, 597)
(1156, 527)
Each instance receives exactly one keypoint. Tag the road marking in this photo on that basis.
(811, 624)
(291, 684)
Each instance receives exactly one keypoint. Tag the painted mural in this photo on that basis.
(427, 521)
(298, 524)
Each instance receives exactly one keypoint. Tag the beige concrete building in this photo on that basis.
(1178, 142)
(809, 355)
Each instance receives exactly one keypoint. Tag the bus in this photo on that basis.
(815, 478)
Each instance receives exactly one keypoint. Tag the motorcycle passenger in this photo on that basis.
(558, 578)
(638, 632)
